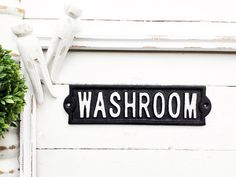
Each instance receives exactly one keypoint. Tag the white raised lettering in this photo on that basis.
(190, 106)
(100, 106)
(84, 103)
(130, 105)
(143, 105)
(161, 96)
(171, 112)
(114, 103)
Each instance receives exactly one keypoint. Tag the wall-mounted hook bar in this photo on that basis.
(34, 61)
(62, 40)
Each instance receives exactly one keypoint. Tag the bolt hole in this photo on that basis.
(68, 105)
(206, 105)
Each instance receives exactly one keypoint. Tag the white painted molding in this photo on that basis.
(145, 36)
(11, 13)
(27, 132)
(27, 136)
(11, 7)
(158, 10)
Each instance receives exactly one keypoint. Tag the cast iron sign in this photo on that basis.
(126, 104)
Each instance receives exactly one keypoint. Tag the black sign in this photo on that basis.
(126, 104)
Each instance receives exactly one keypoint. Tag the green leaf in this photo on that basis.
(10, 101)
(8, 97)
(2, 114)
(1, 68)
(6, 126)
(1, 121)
(2, 76)
(3, 102)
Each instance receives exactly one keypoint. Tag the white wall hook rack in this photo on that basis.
(34, 61)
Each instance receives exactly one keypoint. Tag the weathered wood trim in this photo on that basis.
(148, 10)
(145, 36)
(28, 133)
(11, 13)
(27, 156)
(12, 8)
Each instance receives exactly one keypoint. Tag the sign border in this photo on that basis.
(205, 106)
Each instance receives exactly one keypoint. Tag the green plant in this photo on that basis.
(12, 91)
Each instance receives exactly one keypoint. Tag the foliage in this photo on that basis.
(12, 91)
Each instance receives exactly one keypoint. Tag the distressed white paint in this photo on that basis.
(138, 163)
(28, 136)
(152, 25)
(148, 68)
(110, 25)
(216, 135)
(135, 148)
(9, 152)
(10, 13)
(145, 36)
(110, 146)
(221, 10)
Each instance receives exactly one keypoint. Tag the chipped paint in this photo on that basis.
(14, 54)
(12, 147)
(20, 10)
(11, 171)
(12, 10)
(2, 148)
(193, 47)
(9, 151)
(159, 37)
(225, 38)
(32, 102)
(149, 47)
(78, 46)
(156, 21)
(3, 7)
